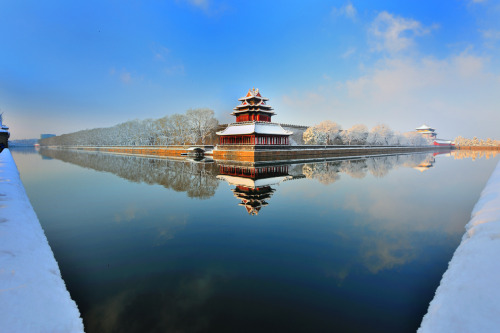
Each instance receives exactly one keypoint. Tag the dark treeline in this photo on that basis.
(196, 126)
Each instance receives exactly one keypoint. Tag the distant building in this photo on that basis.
(431, 134)
(253, 124)
(45, 136)
(4, 134)
(427, 131)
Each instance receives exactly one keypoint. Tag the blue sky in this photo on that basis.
(72, 65)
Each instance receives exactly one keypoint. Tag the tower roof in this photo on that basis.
(424, 127)
(253, 93)
(253, 102)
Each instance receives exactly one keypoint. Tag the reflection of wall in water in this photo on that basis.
(253, 185)
(198, 180)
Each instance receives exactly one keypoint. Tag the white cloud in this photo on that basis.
(491, 34)
(394, 34)
(174, 70)
(348, 53)
(457, 95)
(491, 37)
(160, 52)
(202, 4)
(348, 10)
(125, 77)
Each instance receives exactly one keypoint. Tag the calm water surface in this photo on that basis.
(150, 245)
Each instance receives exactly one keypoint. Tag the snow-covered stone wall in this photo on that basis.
(33, 296)
(468, 297)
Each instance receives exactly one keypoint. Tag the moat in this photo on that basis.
(151, 244)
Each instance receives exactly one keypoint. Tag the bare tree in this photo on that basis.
(202, 123)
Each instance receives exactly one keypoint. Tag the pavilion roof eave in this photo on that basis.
(255, 111)
(254, 128)
(238, 181)
(250, 97)
(268, 107)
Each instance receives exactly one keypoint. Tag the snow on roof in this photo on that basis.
(253, 93)
(243, 111)
(34, 296)
(467, 299)
(248, 182)
(443, 141)
(424, 127)
(254, 128)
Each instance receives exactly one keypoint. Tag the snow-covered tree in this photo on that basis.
(202, 123)
(356, 135)
(314, 137)
(326, 132)
(416, 139)
(331, 129)
(380, 135)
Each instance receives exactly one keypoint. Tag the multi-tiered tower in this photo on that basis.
(427, 131)
(253, 124)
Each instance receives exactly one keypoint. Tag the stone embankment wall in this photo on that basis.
(260, 153)
(137, 150)
(478, 147)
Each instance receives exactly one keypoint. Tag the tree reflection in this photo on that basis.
(473, 154)
(198, 180)
(254, 185)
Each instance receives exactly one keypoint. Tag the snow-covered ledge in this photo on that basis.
(33, 296)
(468, 297)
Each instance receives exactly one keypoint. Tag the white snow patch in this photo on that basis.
(468, 297)
(254, 127)
(33, 296)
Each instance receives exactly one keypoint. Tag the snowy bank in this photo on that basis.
(33, 296)
(468, 298)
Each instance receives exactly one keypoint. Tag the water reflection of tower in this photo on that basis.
(253, 184)
(426, 164)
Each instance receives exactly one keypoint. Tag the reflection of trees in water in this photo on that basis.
(325, 173)
(473, 154)
(379, 166)
(197, 179)
(23, 150)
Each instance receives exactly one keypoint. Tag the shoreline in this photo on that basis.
(467, 297)
(34, 297)
(253, 154)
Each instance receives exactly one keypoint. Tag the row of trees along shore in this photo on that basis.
(475, 142)
(331, 133)
(196, 126)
